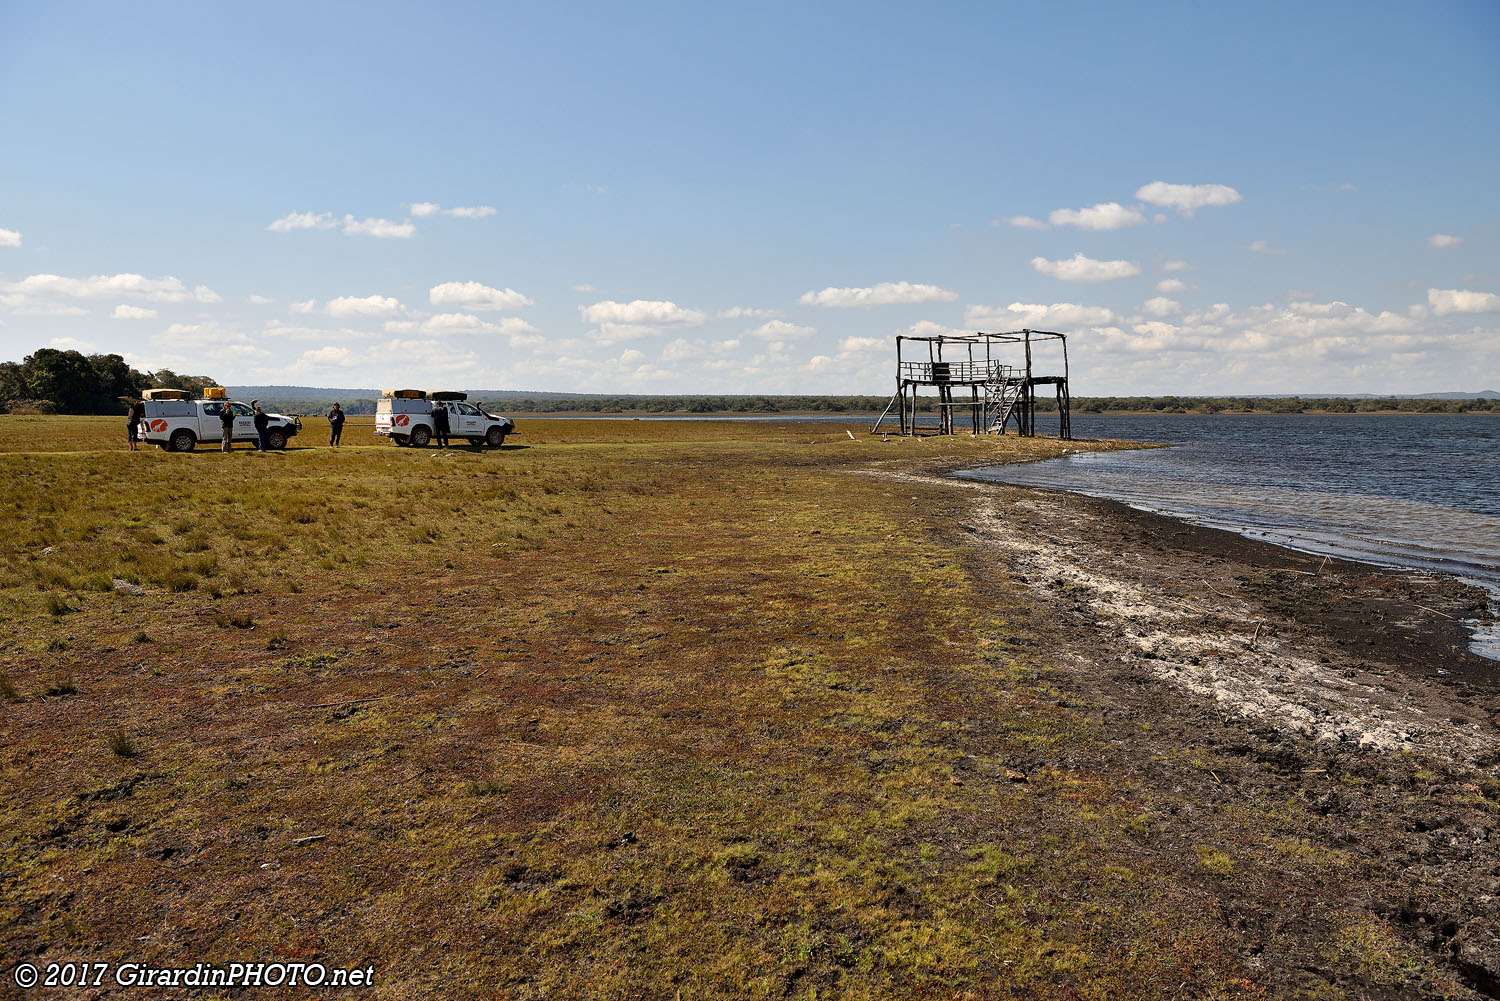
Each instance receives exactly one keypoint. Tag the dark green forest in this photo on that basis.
(49, 381)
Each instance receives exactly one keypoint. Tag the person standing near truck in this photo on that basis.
(440, 423)
(226, 421)
(133, 423)
(261, 422)
(335, 425)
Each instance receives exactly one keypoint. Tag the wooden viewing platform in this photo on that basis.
(1002, 385)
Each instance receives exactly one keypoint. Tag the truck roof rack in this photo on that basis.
(165, 394)
(447, 394)
(403, 394)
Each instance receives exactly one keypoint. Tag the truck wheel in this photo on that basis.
(183, 440)
(495, 437)
(420, 436)
(276, 439)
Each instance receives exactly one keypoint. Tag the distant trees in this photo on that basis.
(70, 382)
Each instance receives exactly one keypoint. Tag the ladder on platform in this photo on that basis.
(1006, 390)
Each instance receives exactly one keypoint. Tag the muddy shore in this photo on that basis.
(1245, 672)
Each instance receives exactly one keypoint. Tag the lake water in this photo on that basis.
(1413, 492)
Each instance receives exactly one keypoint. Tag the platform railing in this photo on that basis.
(965, 372)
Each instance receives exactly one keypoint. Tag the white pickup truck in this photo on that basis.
(405, 417)
(179, 425)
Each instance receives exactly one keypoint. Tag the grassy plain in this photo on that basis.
(624, 709)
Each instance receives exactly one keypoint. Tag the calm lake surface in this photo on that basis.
(1413, 492)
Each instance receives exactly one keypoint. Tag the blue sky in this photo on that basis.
(1209, 198)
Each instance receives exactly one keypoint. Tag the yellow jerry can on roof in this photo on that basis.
(215, 393)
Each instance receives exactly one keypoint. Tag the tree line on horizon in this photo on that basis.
(53, 381)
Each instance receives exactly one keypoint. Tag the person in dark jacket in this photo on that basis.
(226, 421)
(335, 425)
(133, 423)
(261, 423)
(440, 424)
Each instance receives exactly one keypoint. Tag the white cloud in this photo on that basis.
(926, 328)
(1177, 266)
(1262, 247)
(465, 323)
(856, 345)
(303, 220)
(381, 229)
(1026, 222)
(328, 355)
(22, 305)
(473, 295)
(1443, 240)
(71, 344)
(1188, 198)
(747, 313)
(259, 300)
(641, 312)
(1019, 315)
(123, 312)
(1171, 285)
(1105, 215)
(1079, 268)
(1445, 302)
(304, 307)
(9, 238)
(348, 306)
(884, 294)
(423, 209)
(1161, 306)
(585, 287)
(166, 289)
(780, 330)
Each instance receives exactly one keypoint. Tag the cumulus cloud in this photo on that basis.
(123, 312)
(1079, 268)
(1161, 306)
(132, 286)
(1026, 222)
(1442, 241)
(1446, 301)
(884, 294)
(463, 323)
(1171, 285)
(857, 345)
(303, 220)
(9, 238)
(1262, 247)
(641, 312)
(1034, 316)
(1187, 198)
(383, 229)
(348, 306)
(259, 300)
(927, 328)
(1105, 215)
(473, 295)
(1177, 266)
(747, 313)
(423, 209)
(780, 330)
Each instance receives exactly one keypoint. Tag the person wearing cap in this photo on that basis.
(335, 425)
(226, 421)
(440, 424)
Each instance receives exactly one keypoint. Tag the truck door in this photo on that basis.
(209, 426)
(468, 422)
(244, 421)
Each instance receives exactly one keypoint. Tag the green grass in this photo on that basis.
(627, 709)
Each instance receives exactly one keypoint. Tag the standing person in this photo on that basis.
(133, 423)
(226, 421)
(261, 421)
(335, 425)
(440, 424)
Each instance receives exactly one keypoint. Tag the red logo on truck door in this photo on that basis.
(158, 425)
(400, 420)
